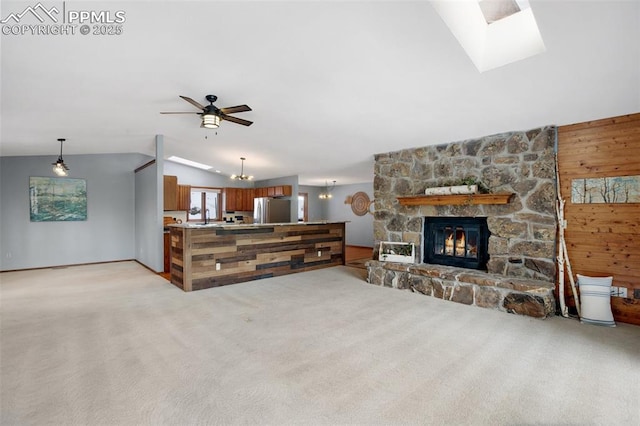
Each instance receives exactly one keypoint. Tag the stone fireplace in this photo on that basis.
(517, 272)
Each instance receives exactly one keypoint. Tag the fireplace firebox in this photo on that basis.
(457, 241)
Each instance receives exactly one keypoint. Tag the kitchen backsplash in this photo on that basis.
(236, 217)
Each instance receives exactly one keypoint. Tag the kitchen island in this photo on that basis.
(205, 256)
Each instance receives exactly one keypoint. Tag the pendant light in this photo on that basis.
(59, 168)
(326, 194)
(242, 176)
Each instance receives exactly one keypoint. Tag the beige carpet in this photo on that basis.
(117, 345)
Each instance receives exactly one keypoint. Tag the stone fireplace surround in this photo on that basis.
(520, 275)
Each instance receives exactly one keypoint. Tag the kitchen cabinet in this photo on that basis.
(274, 191)
(170, 191)
(247, 198)
(176, 197)
(238, 199)
(167, 251)
(184, 197)
(282, 191)
(241, 199)
(229, 199)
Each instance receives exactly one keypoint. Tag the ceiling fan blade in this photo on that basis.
(236, 120)
(234, 109)
(180, 113)
(192, 102)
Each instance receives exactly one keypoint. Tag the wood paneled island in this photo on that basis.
(204, 256)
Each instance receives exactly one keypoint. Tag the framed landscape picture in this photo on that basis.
(57, 199)
(618, 189)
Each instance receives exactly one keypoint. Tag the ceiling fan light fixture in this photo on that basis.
(59, 168)
(210, 121)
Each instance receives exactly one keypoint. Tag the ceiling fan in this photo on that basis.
(211, 114)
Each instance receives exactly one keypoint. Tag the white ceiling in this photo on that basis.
(331, 83)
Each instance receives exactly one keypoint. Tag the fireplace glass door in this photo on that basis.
(456, 241)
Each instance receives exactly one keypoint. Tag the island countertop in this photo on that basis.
(200, 225)
(216, 254)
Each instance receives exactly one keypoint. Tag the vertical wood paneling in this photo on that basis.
(603, 239)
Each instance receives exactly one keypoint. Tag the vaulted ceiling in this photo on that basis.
(330, 83)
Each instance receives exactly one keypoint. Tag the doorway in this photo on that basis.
(303, 207)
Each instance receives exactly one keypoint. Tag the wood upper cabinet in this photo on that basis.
(230, 202)
(176, 197)
(184, 197)
(247, 199)
(274, 191)
(238, 199)
(282, 191)
(241, 199)
(170, 190)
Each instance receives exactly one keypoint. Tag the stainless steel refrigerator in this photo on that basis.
(271, 210)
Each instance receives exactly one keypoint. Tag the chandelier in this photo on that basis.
(326, 194)
(241, 176)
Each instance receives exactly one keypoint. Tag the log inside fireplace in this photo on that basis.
(457, 241)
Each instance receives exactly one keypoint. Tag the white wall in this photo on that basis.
(106, 235)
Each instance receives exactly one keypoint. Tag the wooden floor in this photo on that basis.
(357, 252)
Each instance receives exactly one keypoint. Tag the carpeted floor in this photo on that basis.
(115, 344)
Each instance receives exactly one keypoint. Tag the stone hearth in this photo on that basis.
(520, 275)
(514, 295)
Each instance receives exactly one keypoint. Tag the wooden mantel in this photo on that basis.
(455, 200)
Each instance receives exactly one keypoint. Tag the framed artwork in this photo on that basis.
(57, 199)
(618, 189)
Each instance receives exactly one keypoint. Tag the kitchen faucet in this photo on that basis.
(206, 216)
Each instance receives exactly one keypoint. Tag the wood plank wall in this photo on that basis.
(252, 253)
(603, 239)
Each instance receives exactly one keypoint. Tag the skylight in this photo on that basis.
(189, 162)
(492, 32)
(495, 10)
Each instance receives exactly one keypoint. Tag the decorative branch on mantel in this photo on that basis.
(455, 200)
